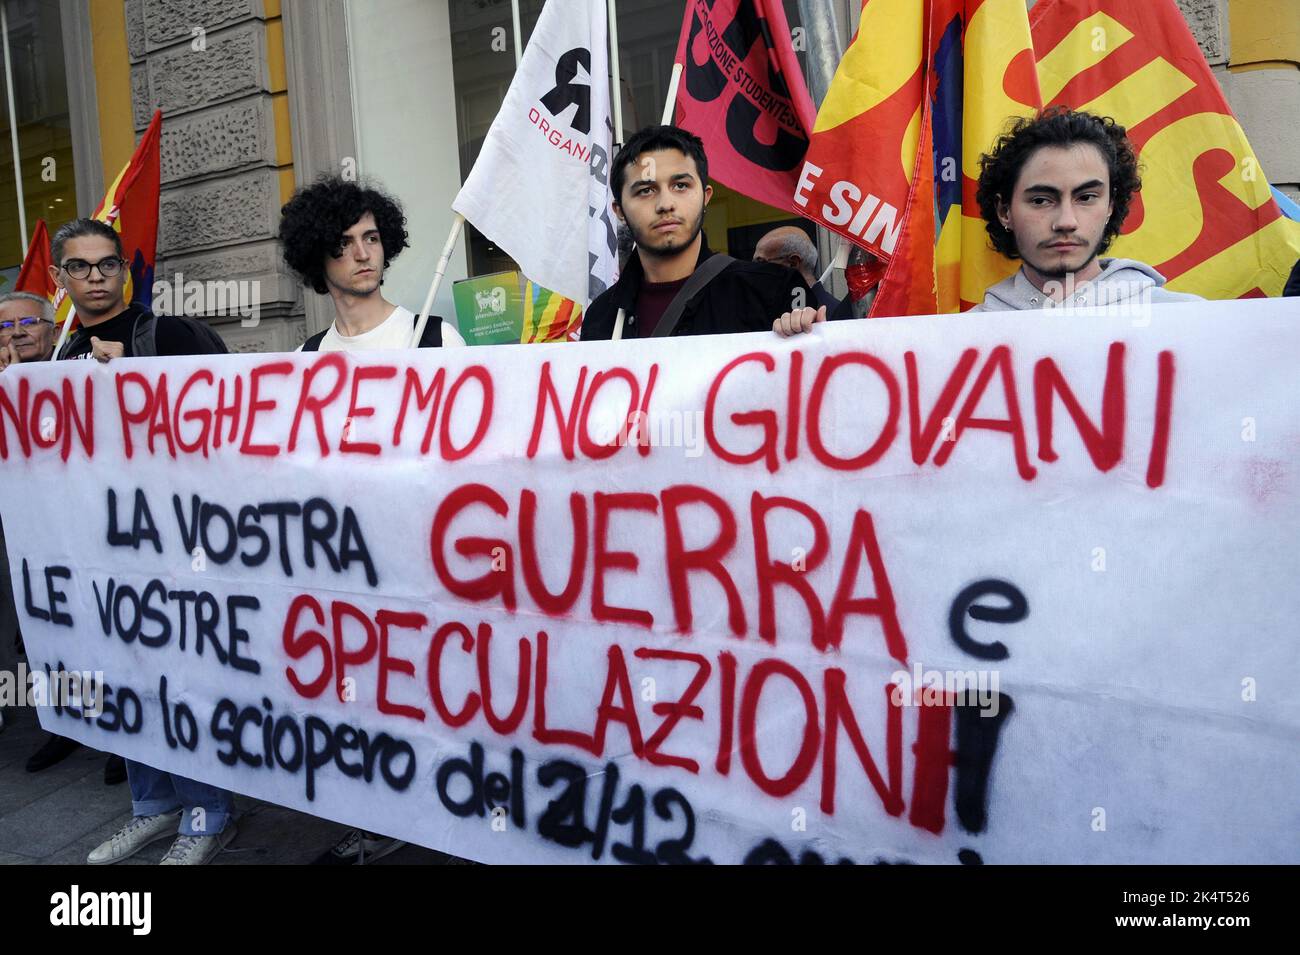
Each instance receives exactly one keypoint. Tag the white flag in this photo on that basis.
(540, 187)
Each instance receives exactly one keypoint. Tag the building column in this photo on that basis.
(83, 105)
(320, 107)
(218, 75)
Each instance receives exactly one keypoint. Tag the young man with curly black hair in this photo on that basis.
(1054, 192)
(339, 237)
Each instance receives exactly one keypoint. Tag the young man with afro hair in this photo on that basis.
(1054, 192)
(339, 237)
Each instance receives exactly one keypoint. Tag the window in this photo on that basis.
(34, 72)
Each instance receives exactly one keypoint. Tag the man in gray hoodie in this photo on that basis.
(1054, 192)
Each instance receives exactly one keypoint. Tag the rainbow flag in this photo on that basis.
(549, 316)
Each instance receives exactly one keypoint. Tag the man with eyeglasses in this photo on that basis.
(26, 328)
(89, 266)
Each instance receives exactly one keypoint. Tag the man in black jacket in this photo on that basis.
(1293, 283)
(660, 179)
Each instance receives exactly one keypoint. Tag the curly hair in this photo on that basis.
(1056, 126)
(312, 224)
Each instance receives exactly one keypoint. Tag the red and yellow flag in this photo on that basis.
(894, 159)
(1206, 218)
(925, 89)
(130, 205)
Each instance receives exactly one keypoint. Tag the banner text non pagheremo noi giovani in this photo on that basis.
(1018, 587)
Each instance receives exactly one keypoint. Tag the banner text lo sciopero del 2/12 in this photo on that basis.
(1012, 587)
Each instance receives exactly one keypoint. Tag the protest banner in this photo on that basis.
(1006, 587)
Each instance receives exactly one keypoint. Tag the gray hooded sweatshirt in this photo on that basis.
(1121, 282)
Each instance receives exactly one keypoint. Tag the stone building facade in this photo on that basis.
(216, 69)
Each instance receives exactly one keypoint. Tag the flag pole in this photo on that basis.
(613, 62)
(67, 325)
(838, 261)
(519, 33)
(671, 102)
(447, 249)
(13, 132)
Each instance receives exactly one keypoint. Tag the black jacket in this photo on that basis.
(137, 326)
(1293, 283)
(743, 297)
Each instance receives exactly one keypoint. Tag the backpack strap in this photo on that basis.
(313, 343)
(144, 332)
(432, 337)
(699, 278)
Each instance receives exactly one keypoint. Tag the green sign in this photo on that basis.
(489, 308)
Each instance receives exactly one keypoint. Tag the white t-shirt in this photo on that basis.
(392, 334)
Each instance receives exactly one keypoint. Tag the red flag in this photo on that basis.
(858, 174)
(34, 276)
(908, 285)
(742, 92)
(130, 205)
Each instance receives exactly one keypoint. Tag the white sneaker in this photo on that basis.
(134, 836)
(198, 850)
(358, 847)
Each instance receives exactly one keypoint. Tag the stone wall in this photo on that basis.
(208, 65)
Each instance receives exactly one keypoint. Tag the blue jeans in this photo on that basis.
(207, 809)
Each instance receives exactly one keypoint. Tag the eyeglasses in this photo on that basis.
(80, 268)
(27, 322)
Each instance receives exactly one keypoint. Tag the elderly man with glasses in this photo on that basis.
(26, 328)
